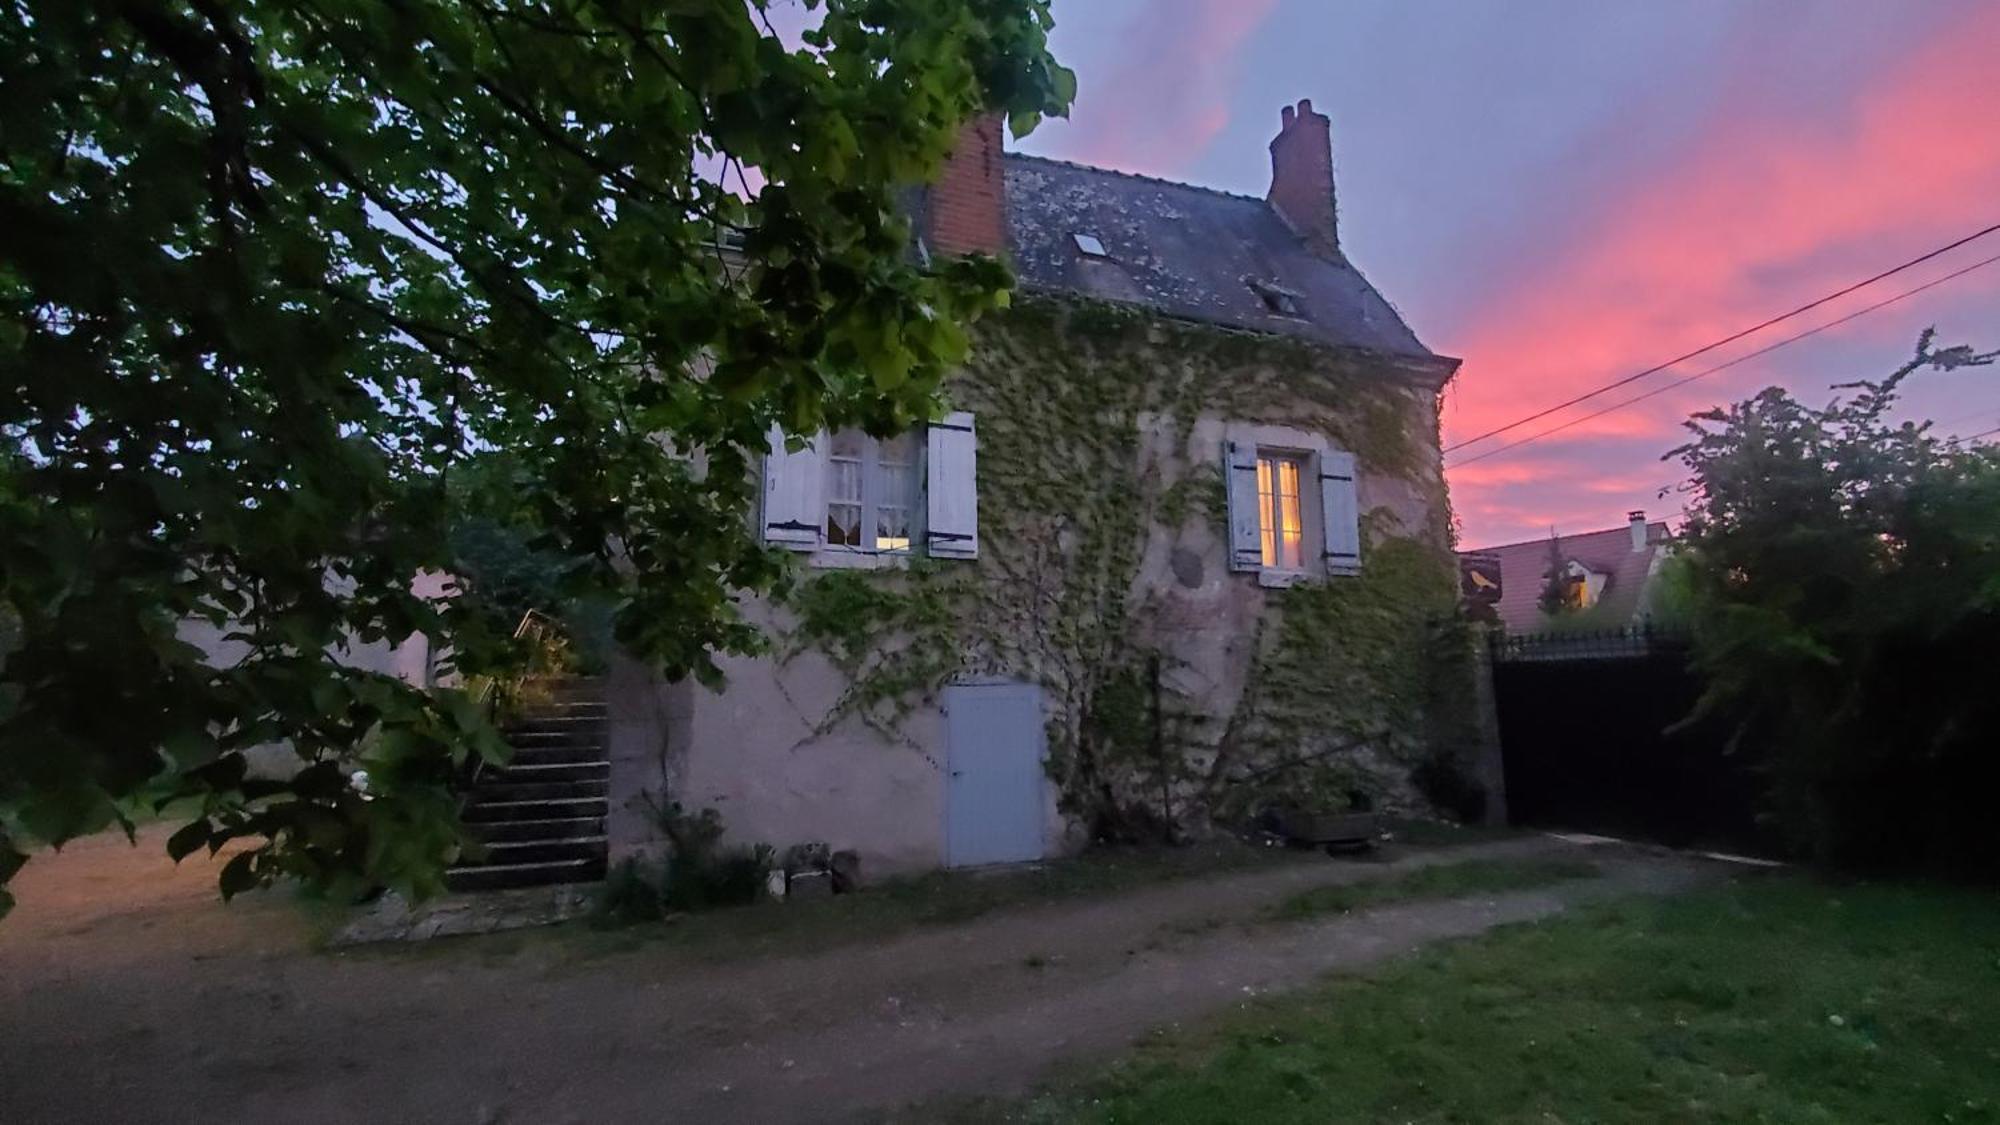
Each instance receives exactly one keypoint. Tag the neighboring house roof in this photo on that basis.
(1524, 572)
(1189, 252)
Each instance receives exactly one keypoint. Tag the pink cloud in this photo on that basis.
(1160, 105)
(1760, 214)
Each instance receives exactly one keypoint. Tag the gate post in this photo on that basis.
(1488, 763)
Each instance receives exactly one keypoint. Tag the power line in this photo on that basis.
(1654, 370)
(1705, 372)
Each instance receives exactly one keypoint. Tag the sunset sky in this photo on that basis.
(1564, 192)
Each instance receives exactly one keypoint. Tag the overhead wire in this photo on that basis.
(1705, 372)
(1726, 340)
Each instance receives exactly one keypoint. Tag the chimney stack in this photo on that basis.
(966, 207)
(1302, 177)
(1638, 519)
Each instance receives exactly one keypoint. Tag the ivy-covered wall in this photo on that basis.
(1179, 693)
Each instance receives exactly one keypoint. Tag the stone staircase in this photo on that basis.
(541, 816)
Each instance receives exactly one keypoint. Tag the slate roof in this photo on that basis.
(1186, 251)
(1524, 570)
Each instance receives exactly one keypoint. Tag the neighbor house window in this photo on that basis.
(870, 491)
(1280, 517)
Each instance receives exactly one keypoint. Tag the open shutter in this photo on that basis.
(1239, 469)
(794, 494)
(1340, 511)
(952, 457)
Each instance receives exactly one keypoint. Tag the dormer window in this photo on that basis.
(1089, 246)
(1277, 299)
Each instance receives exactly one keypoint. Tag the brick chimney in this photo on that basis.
(966, 207)
(1302, 176)
(1638, 521)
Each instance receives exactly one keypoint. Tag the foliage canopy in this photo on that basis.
(1843, 583)
(275, 267)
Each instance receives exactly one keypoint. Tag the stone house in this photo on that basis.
(1181, 547)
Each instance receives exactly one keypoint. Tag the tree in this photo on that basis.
(1556, 598)
(274, 268)
(1842, 577)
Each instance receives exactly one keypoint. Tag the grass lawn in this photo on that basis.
(1774, 999)
(1444, 880)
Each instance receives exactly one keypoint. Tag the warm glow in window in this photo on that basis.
(871, 490)
(896, 478)
(1279, 515)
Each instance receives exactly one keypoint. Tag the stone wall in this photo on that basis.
(1178, 692)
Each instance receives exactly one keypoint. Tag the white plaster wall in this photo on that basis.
(754, 758)
(750, 751)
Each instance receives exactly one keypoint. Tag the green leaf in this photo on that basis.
(239, 875)
(187, 840)
(358, 343)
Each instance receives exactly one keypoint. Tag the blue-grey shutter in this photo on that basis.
(1239, 470)
(795, 494)
(1340, 512)
(951, 459)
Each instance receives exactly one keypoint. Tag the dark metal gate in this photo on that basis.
(1584, 741)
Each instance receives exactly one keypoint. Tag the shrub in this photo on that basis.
(1447, 782)
(1843, 584)
(699, 873)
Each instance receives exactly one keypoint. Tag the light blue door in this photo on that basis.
(994, 791)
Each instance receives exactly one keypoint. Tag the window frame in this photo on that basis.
(1270, 518)
(873, 489)
(1310, 448)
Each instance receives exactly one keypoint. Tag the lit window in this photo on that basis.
(1280, 517)
(1090, 245)
(870, 491)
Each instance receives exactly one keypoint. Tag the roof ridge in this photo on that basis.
(1543, 541)
(1140, 176)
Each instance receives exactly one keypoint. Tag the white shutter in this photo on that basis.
(795, 494)
(952, 458)
(1340, 511)
(1239, 470)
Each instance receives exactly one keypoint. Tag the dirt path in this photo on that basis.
(126, 993)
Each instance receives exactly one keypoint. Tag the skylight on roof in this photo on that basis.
(1277, 299)
(1090, 246)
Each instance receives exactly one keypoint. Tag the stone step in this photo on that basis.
(498, 789)
(558, 712)
(501, 876)
(554, 733)
(587, 688)
(552, 719)
(507, 853)
(554, 828)
(557, 754)
(488, 812)
(518, 770)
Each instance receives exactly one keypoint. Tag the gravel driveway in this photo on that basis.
(127, 993)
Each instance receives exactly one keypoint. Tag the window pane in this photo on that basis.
(899, 450)
(847, 443)
(843, 524)
(895, 484)
(843, 487)
(843, 481)
(1266, 525)
(1290, 521)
